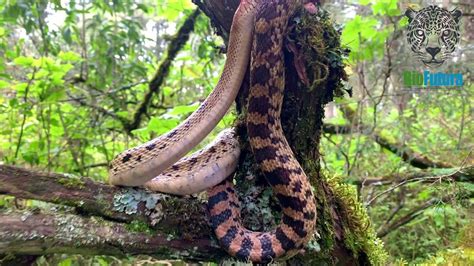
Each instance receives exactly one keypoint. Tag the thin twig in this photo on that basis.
(439, 179)
(174, 47)
(25, 99)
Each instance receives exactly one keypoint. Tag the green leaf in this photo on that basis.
(66, 262)
(124, 114)
(181, 110)
(42, 73)
(24, 61)
(43, 62)
(57, 79)
(102, 261)
(161, 126)
(141, 133)
(54, 94)
(167, 90)
(143, 7)
(227, 120)
(385, 7)
(13, 103)
(20, 87)
(171, 9)
(378, 8)
(424, 195)
(403, 22)
(69, 56)
(4, 84)
(67, 35)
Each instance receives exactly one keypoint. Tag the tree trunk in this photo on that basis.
(343, 227)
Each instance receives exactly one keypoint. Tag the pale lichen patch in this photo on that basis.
(128, 200)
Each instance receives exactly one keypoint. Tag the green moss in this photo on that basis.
(359, 236)
(139, 227)
(325, 228)
(321, 51)
(72, 182)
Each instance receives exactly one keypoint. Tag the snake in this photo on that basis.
(144, 163)
(272, 153)
(267, 22)
(202, 169)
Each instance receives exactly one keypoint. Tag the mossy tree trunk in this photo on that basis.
(344, 236)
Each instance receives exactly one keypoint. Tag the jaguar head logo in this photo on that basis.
(433, 33)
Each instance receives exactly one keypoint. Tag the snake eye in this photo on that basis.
(420, 32)
(446, 32)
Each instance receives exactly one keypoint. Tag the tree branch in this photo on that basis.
(174, 47)
(336, 129)
(406, 153)
(412, 214)
(81, 193)
(220, 13)
(465, 174)
(461, 174)
(100, 109)
(39, 233)
(110, 202)
(166, 216)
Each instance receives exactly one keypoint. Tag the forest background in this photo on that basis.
(81, 81)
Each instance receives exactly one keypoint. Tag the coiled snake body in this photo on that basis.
(269, 18)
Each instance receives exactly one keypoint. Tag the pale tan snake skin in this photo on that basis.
(201, 170)
(136, 166)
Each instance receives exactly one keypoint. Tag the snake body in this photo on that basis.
(202, 169)
(272, 153)
(140, 164)
(269, 19)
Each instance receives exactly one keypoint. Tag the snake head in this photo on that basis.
(311, 8)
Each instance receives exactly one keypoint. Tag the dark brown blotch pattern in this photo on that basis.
(270, 148)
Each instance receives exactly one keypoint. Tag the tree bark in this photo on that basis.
(27, 233)
(463, 174)
(302, 122)
(102, 219)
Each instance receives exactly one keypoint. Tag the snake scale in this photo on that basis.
(269, 19)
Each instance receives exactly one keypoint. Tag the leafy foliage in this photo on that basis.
(71, 72)
(430, 122)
